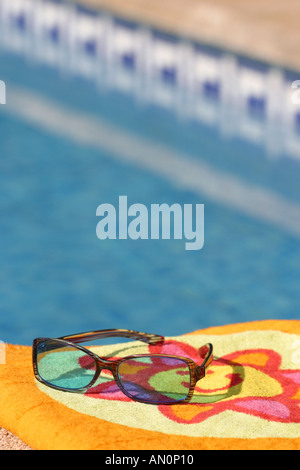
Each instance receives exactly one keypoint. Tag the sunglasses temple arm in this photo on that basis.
(205, 352)
(134, 335)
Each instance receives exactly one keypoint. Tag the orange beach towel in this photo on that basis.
(249, 399)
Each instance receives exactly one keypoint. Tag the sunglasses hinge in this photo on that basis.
(200, 372)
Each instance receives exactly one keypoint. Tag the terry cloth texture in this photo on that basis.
(249, 399)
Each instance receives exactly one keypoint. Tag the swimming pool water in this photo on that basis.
(57, 278)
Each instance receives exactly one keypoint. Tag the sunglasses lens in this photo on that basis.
(64, 366)
(155, 379)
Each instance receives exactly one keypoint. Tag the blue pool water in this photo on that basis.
(57, 278)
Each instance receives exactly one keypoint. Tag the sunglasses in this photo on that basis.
(63, 364)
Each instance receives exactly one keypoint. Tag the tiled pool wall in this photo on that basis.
(238, 95)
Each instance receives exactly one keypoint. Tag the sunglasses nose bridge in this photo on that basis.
(106, 365)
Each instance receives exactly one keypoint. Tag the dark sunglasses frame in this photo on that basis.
(197, 372)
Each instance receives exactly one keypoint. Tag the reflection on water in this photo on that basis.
(238, 96)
